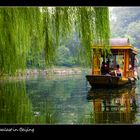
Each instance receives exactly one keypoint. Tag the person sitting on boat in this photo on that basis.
(104, 68)
(136, 74)
(130, 67)
(118, 71)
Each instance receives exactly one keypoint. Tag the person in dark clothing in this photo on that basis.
(104, 68)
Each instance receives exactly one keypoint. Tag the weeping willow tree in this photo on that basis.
(17, 28)
(40, 30)
(102, 32)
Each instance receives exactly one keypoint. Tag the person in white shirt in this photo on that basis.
(118, 71)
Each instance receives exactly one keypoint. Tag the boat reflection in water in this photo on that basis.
(117, 106)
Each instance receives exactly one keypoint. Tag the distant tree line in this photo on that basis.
(125, 22)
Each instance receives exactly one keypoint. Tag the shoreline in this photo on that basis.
(34, 73)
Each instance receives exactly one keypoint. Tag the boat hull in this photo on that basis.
(103, 81)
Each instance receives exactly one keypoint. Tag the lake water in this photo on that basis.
(67, 99)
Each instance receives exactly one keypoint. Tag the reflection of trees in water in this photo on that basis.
(56, 99)
(15, 106)
(113, 106)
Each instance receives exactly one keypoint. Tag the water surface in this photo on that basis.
(67, 99)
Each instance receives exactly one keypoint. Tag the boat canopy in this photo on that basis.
(117, 44)
(121, 53)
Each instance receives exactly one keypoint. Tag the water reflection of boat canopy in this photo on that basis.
(122, 53)
(117, 107)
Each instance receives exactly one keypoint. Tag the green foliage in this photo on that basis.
(134, 31)
(30, 34)
(17, 27)
(102, 28)
(125, 22)
(15, 106)
(64, 57)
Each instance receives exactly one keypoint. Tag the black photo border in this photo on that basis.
(70, 131)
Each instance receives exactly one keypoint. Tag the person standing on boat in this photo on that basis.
(118, 71)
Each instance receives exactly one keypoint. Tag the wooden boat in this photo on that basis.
(122, 54)
(98, 81)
